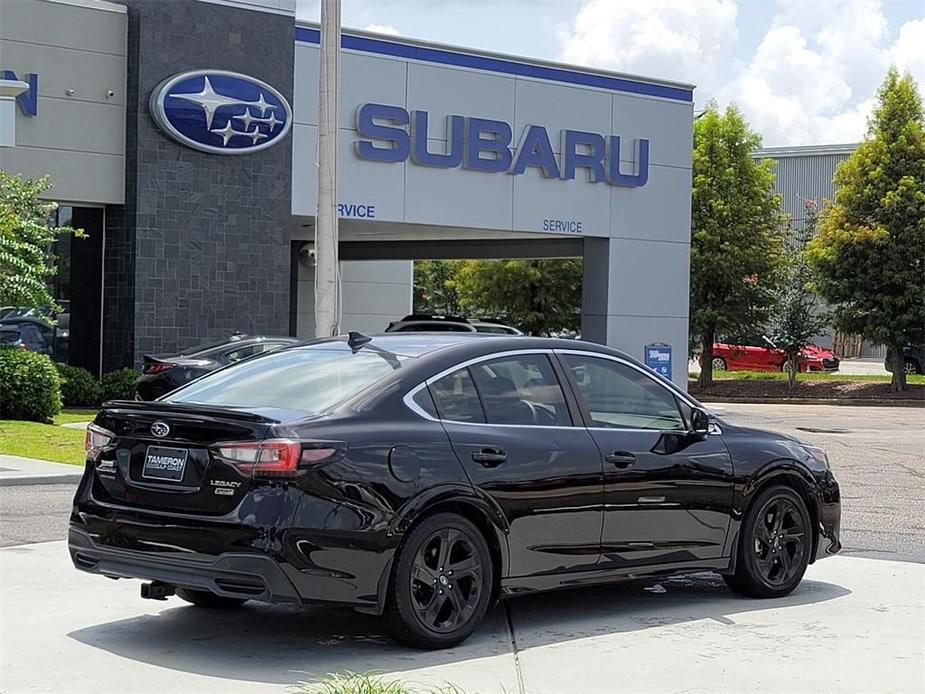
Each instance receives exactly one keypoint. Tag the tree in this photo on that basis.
(736, 236)
(435, 289)
(870, 254)
(537, 296)
(26, 262)
(797, 316)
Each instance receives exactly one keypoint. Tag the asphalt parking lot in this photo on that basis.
(855, 624)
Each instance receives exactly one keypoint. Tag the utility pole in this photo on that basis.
(327, 269)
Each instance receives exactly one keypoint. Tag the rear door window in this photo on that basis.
(521, 389)
(457, 399)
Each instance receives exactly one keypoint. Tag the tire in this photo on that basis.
(204, 598)
(911, 367)
(444, 553)
(719, 364)
(774, 546)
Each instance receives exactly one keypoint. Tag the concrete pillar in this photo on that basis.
(627, 306)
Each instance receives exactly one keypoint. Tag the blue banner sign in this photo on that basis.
(392, 134)
(658, 358)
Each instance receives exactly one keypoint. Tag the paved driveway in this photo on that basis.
(853, 625)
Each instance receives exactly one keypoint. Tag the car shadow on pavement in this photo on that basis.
(284, 645)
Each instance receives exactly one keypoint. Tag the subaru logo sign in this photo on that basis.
(221, 112)
(160, 428)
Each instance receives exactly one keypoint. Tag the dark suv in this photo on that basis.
(913, 359)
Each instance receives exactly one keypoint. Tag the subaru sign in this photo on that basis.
(28, 100)
(392, 134)
(221, 112)
(658, 358)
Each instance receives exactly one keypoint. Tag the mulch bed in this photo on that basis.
(810, 390)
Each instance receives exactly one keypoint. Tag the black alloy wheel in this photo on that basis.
(441, 585)
(774, 547)
(911, 367)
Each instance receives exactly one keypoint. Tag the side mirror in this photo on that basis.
(700, 422)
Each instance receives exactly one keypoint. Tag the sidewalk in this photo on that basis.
(17, 471)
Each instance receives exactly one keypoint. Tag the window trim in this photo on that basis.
(586, 415)
(408, 398)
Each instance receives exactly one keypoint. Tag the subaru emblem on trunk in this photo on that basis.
(160, 429)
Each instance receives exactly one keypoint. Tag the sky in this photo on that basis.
(803, 72)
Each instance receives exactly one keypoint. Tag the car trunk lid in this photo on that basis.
(163, 456)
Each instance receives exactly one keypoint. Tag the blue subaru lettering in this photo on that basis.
(28, 100)
(398, 142)
(454, 137)
(221, 112)
(391, 134)
(498, 144)
(536, 150)
(614, 177)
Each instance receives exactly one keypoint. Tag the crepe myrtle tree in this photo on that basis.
(736, 235)
(870, 253)
(26, 238)
(796, 315)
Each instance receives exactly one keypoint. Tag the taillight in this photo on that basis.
(156, 368)
(272, 457)
(95, 440)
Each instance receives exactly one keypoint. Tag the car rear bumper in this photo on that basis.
(233, 575)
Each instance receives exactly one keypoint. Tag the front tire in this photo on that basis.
(205, 598)
(774, 546)
(719, 364)
(911, 367)
(441, 584)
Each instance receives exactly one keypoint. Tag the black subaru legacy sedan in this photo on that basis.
(423, 476)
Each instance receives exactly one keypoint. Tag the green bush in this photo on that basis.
(30, 387)
(79, 387)
(119, 384)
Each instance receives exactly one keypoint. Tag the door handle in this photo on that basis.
(621, 458)
(489, 457)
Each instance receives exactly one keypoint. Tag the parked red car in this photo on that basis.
(767, 357)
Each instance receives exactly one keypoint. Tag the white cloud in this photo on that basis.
(686, 41)
(383, 29)
(909, 50)
(812, 78)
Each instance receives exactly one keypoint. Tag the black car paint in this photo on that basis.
(331, 534)
(187, 366)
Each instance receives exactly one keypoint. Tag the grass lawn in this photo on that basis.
(42, 441)
(812, 376)
(47, 441)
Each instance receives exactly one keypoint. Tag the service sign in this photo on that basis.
(221, 112)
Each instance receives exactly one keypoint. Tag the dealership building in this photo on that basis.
(182, 137)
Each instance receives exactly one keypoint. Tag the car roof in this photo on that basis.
(420, 344)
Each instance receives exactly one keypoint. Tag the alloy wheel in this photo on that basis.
(719, 364)
(779, 541)
(446, 577)
(910, 367)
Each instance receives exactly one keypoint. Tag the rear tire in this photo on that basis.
(204, 598)
(441, 583)
(911, 367)
(774, 545)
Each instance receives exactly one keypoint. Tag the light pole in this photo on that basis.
(327, 270)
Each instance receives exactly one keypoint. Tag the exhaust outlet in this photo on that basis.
(157, 590)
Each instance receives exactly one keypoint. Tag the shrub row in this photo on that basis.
(33, 388)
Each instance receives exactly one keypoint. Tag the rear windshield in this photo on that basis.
(310, 379)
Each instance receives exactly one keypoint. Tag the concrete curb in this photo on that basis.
(855, 402)
(43, 479)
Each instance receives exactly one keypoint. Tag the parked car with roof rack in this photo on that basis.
(425, 322)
